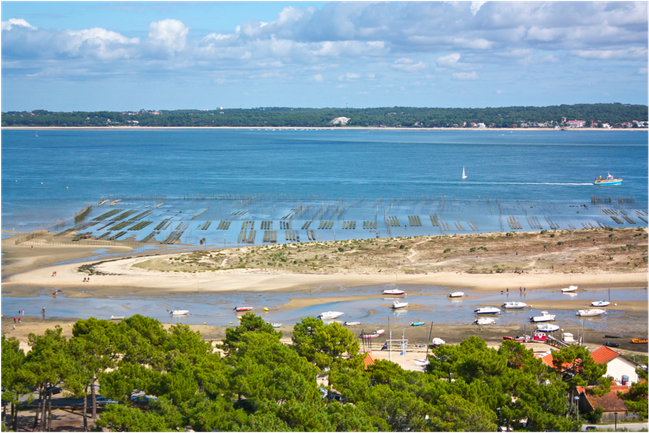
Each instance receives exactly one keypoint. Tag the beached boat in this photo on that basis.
(456, 295)
(602, 303)
(612, 336)
(590, 312)
(370, 335)
(380, 332)
(179, 312)
(275, 325)
(397, 304)
(238, 309)
(548, 327)
(484, 321)
(544, 317)
(514, 305)
(568, 338)
(540, 337)
(487, 310)
(417, 324)
(422, 362)
(352, 323)
(438, 342)
(394, 292)
(330, 315)
(117, 317)
(639, 340)
(608, 180)
(609, 344)
(570, 289)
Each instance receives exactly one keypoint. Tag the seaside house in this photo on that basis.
(613, 406)
(575, 123)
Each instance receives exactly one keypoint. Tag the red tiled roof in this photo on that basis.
(368, 360)
(548, 360)
(610, 402)
(604, 355)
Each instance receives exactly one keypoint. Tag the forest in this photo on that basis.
(252, 381)
(614, 114)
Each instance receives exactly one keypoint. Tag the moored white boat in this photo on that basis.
(570, 289)
(456, 295)
(352, 323)
(394, 292)
(237, 309)
(179, 312)
(591, 312)
(485, 321)
(544, 317)
(330, 315)
(514, 305)
(487, 310)
(602, 303)
(547, 327)
(568, 338)
(397, 304)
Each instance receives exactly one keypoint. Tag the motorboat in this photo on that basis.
(602, 303)
(417, 324)
(456, 295)
(568, 338)
(608, 180)
(397, 305)
(438, 342)
(487, 310)
(380, 332)
(394, 292)
(592, 312)
(275, 325)
(514, 305)
(370, 335)
(548, 327)
(540, 337)
(179, 312)
(570, 289)
(352, 323)
(117, 317)
(544, 317)
(239, 309)
(485, 321)
(330, 315)
(639, 340)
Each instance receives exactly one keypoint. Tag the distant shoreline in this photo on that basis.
(293, 128)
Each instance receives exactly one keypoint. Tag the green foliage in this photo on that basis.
(249, 323)
(447, 250)
(636, 399)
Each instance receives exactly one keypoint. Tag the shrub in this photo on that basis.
(552, 235)
(472, 250)
(341, 249)
(402, 246)
(447, 250)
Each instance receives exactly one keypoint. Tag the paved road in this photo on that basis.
(635, 426)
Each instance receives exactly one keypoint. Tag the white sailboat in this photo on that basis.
(463, 173)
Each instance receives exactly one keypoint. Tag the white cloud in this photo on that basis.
(629, 53)
(349, 77)
(19, 22)
(462, 76)
(318, 78)
(409, 65)
(449, 61)
(476, 5)
(167, 36)
(98, 42)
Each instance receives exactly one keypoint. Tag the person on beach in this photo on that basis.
(14, 321)
(19, 320)
(14, 327)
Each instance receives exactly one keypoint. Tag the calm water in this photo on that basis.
(48, 177)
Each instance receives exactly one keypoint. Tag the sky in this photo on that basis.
(119, 56)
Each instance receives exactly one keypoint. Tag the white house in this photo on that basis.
(621, 369)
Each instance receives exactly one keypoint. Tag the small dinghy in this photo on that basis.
(612, 336)
(569, 289)
(515, 305)
(239, 309)
(487, 310)
(422, 362)
(275, 325)
(330, 315)
(380, 332)
(417, 324)
(351, 323)
(179, 312)
(548, 327)
(602, 303)
(639, 340)
(370, 335)
(394, 292)
(609, 344)
(485, 321)
(592, 312)
(456, 295)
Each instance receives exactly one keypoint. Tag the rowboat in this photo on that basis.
(179, 312)
(515, 305)
(394, 292)
(456, 295)
(487, 310)
(484, 321)
(417, 324)
(116, 317)
(330, 315)
(548, 327)
(612, 336)
(544, 317)
(238, 309)
(569, 289)
(609, 344)
(602, 303)
(397, 304)
(639, 340)
(590, 312)
(352, 323)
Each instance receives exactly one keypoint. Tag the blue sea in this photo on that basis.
(49, 175)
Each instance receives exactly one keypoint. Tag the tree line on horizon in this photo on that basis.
(252, 381)
(406, 117)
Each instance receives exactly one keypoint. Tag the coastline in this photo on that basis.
(292, 128)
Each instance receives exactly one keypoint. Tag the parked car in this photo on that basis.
(142, 400)
(101, 400)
